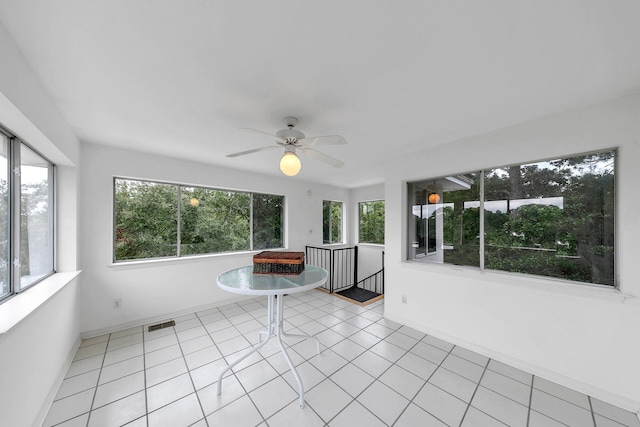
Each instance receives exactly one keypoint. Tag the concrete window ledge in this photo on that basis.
(22, 305)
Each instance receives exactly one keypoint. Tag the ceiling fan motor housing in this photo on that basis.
(290, 135)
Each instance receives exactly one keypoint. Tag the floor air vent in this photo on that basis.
(162, 325)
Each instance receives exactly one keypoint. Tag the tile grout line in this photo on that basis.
(225, 358)
(530, 401)
(195, 391)
(95, 392)
(265, 359)
(144, 376)
(439, 365)
(474, 391)
(593, 416)
(327, 377)
(222, 356)
(233, 372)
(407, 351)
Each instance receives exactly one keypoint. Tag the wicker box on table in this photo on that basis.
(269, 262)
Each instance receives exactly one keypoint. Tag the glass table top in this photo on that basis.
(243, 281)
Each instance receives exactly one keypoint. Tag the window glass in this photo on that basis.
(371, 222)
(331, 222)
(552, 218)
(267, 221)
(146, 222)
(36, 217)
(150, 223)
(213, 221)
(26, 216)
(5, 283)
(445, 220)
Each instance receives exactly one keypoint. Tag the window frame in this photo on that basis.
(180, 188)
(360, 222)
(14, 214)
(482, 181)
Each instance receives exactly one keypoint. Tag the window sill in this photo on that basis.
(20, 306)
(535, 283)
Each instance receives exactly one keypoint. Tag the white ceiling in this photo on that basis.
(179, 78)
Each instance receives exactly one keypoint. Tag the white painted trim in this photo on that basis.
(20, 306)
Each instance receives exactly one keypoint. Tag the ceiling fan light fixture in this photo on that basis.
(290, 163)
(290, 139)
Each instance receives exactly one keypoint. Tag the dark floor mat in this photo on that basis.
(358, 294)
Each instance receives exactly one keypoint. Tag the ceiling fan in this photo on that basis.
(291, 139)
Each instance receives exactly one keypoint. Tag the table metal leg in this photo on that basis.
(279, 335)
(270, 327)
(275, 322)
(271, 321)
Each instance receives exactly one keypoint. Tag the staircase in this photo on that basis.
(342, 265)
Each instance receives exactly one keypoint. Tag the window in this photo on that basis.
(157, 220)
(371, 222)
(552, 218)
(26, 216)
(331, 222)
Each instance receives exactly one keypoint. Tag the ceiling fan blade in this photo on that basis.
(255, 150)
(322, 157)
(259, 132)
(322, 140)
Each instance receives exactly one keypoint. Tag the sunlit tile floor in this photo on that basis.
(371, 372)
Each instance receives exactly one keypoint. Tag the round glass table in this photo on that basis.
(243, 281)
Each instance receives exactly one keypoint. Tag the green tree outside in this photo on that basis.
(371, 222)
(147, 215)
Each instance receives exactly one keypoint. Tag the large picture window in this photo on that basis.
(371, 222)
(26, 216)
(331, 222)
(158, 220)
(552, 218)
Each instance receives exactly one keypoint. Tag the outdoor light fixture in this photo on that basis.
(434, 198)
(290, 163)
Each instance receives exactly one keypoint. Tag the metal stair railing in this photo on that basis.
(320, 257)
(375, 282)
(341, 263)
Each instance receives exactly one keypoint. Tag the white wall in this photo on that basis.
(154, 290)
(34, 354)
(582, 337)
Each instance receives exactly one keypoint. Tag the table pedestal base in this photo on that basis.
(274, 328)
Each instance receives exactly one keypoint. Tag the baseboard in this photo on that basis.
(160, 318)
(53, 391)
(582, 387)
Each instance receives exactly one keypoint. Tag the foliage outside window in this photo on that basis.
(371, 222)
(156, 220)
(553, 218)
(331, 222)
(26, 216)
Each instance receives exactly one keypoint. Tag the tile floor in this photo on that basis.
(371, 372)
